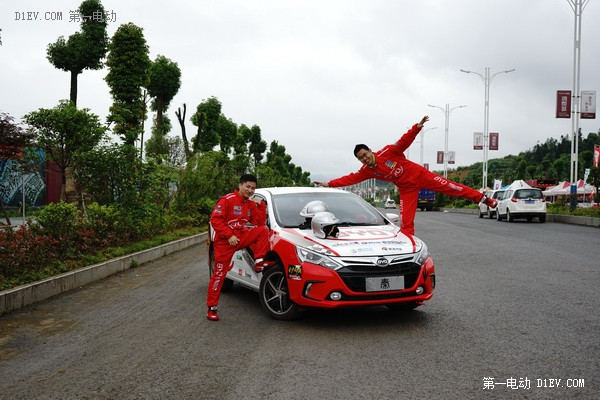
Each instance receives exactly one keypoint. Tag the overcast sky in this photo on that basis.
(321, 76)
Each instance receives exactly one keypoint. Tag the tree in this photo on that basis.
(157, 146)
(65, 132)
(128, 64)
(257, 146)
(83, 50)
(227, 133)
(181, 118)
(206, 119)
(164, 83)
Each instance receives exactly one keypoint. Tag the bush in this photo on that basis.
(60, 222)
(104, 223)
(23, 250)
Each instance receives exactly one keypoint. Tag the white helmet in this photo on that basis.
(313, 207)
(323, 224)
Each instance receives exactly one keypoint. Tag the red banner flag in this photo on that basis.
(563, 104)
(493, 140)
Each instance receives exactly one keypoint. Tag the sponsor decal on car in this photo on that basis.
(295, 272)
(362, 250)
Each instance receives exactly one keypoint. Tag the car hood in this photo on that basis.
(354, 241)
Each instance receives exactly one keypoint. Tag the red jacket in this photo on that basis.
(233, 214)
(391, 165)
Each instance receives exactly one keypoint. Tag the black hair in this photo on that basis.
(360, 147)
(247, 178)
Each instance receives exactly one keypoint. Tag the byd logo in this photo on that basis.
(382, 262)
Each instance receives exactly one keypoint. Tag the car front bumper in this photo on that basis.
(315, 286)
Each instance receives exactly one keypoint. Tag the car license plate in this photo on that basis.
(383, 283)
(529, 201)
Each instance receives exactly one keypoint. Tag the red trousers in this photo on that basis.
(256, 238)
(409, 196)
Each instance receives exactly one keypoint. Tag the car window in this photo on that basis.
(347, 207)
(498, 194)
(528, 194)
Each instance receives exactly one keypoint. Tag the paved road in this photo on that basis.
(516, 305)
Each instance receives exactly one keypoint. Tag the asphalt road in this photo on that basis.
(515, 309)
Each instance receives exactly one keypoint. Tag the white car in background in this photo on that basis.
(525, 203)
(484, 209)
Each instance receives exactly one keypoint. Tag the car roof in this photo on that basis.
(299, 189)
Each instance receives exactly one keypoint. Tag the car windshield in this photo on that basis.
(347, 207)
(528, 194)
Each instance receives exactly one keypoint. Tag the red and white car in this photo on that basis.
(370, 262)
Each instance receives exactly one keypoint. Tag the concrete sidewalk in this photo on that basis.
(24, 295)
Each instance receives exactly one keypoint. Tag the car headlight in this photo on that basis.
(305, 255)
(423, 254)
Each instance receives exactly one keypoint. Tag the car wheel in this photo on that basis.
(542, 218)
(411, 305)
(529, 219)
(227, 283)
(498, 217)
(489, 214)
(509, 216)
(480, 214)
(274, 295)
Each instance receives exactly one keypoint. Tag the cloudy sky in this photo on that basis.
(321, 76)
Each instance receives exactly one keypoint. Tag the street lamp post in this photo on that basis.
(487, 79)
(577, 6)
(446, 112)
(422, 143)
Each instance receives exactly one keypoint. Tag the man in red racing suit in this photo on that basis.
(237, 222)
(389, 164)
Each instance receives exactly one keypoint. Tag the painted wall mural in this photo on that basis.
(12, 181)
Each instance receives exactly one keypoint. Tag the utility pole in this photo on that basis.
(577, 6)
(487, 80)
(446, 112)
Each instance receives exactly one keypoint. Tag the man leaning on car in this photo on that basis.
(237, 221)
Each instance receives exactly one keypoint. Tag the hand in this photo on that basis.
(323, 184)
(233, 241)
(256, 199)
(422, 122)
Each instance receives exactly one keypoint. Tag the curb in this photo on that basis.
(25, 295)
(564, 219)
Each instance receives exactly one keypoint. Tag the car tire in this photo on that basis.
(509, 216)
(274, 295)
(411, 305)
(227, 283)
(489, 214)
(498, 217)
(542, 218)
(480, 214)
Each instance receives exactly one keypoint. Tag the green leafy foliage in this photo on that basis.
(128, 64)
(82, 50)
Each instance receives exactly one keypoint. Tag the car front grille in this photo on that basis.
(356, 269)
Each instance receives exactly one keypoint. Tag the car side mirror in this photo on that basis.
(393, 217)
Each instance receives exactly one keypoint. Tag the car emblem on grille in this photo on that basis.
(382, 262)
